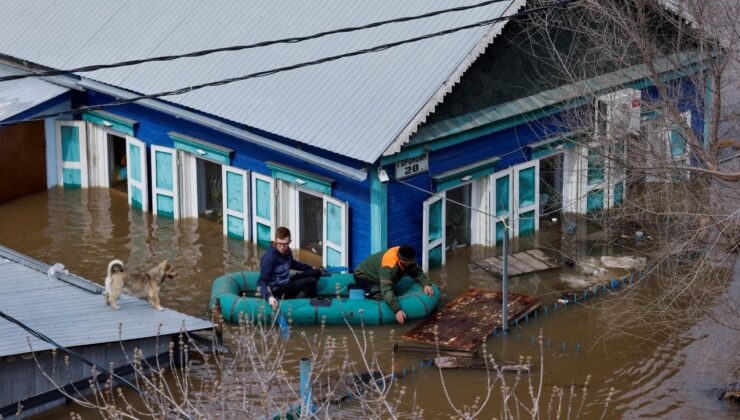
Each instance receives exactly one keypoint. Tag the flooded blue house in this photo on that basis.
(353, 154)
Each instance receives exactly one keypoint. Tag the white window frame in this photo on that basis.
(82, 165)
(175, 194)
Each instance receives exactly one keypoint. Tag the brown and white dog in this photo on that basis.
(146, 284)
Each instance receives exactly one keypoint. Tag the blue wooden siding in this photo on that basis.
(404, 204)
(153, 128)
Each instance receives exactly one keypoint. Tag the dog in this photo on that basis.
(146, 284)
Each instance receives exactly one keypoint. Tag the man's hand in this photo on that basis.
(273, 302)
(400, 316)
(429, 290)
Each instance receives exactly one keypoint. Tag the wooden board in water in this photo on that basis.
(519, 263)
(464, 323)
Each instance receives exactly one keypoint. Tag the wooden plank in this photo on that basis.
(519, 266)
(493, 263)
(464, 323)
(530, 261)
(497, 265)
(536, 253)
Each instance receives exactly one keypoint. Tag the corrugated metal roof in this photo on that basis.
(17, 96)
(354, 106)
(73, 316)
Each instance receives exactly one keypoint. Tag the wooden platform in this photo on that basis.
(519, 263)
(463, 324)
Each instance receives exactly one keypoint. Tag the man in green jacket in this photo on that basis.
(385, 269)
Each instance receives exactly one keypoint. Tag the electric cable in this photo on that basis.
(41, 336)
(269, 72)
(69, 352)
(290, 40)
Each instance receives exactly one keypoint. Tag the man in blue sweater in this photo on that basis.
(275, 281)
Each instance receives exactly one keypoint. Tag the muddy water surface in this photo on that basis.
(664, 377)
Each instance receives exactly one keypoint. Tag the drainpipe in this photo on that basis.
(344, 170)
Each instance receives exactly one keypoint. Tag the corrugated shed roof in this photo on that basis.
(73, 316)
(17, 96)
(354, 106)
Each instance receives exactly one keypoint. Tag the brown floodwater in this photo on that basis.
(667, 376)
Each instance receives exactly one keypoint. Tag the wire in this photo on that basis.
(264, 73)
(291, 40)
(69, 352)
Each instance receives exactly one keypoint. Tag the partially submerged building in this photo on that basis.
(353, 154)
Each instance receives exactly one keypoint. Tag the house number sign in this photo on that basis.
(412, 166)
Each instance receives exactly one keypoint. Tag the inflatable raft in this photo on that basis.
(238, 296)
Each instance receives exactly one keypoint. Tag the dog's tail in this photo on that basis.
(115, 266)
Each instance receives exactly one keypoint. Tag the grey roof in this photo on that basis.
(73, 315)
(357, 107)
(17, 96)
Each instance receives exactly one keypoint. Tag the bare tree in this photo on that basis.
(653, 141)
(254, 379)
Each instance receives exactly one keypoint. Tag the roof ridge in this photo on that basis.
(429, 106)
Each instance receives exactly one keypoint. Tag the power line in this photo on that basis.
(269, 72)
(41, 336)
(291, 40)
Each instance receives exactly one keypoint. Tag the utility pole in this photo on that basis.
(505, 280)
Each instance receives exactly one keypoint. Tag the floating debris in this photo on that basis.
(520, 263)
(625, 262)
(464, 323)
(446, 362)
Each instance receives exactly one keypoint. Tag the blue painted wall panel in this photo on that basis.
(153, 128)
(405, 217)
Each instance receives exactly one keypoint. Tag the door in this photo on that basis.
(526, 178)
(98, 156)
(335, 235)
(165, 194)
(433, 235)
(236, 202)
(138, 184)
(263, 208)
(501, 197)
(71, 142)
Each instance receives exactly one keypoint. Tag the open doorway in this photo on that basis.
(210, 190)
(118, 164)
(311, 222)
(551, 186)
(458, 217)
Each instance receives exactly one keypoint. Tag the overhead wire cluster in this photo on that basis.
(263, 73)
(268, 72)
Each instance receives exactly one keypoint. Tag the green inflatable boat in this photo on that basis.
(238, 296)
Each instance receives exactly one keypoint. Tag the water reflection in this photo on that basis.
(84, 229)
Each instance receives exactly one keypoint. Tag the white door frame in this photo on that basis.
(480, 199)
(273, 202)
(342, 248)
(82, 165)
(244, 215)
(506, 219)
(175, 193)
(426, 245)
(142, 185)
(188, 174)
(518, 211)
(98, 156)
